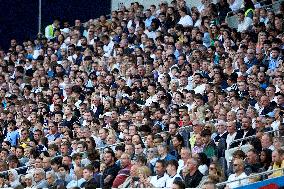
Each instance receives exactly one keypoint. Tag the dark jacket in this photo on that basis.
(250, 132)
(218, 137)
(222, 145)
(112, 171)
(93, 183)
(194, 180)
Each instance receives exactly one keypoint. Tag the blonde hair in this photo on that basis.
(144, 170)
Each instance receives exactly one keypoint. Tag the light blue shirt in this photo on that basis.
(273, 64)
(75, 183)
(148, 21)
(13, 137)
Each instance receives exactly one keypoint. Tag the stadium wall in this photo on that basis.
(277, 182)
(19, 19)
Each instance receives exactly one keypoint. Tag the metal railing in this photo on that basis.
(250, 176)
(254, 136)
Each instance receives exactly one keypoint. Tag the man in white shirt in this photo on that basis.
(172, 166)
(243, 22)
(199, 86)
(108, 46)
(152, 94)
(161, 177)
(239, 174)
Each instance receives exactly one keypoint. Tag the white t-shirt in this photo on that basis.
(199, 89)
(159, 183)
(170, 180)
(245, 24)
(237, 183)
(186, 21)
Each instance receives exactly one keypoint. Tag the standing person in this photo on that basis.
(50, 29)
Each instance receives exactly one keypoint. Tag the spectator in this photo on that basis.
(185, 20)
(213, 171)
(90, 181)
(161, 177)
(163, 151)
(53, 132)
(39, 178)
(111, 170)
(209, 185)
(172, 167)
(209, 146)
(266, 142)
(13, 179)
(29, 181)
(178, 184)
(277, 160)
(185, 155)
(252, 161)
(265, 158)
(129, 181)
(51, 180)
(78, 180)
(239, 173)
(156, 80)
(228, 142)
(243, 22)
(46, 164)
(193, 178)
(123, 173)
(202, 161)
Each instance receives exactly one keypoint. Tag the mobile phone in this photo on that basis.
(121, 5)
(135, 179)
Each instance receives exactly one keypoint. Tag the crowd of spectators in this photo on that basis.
(153, 97)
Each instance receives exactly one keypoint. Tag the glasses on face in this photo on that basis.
(212, 168)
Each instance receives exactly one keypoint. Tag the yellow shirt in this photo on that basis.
(277, 173)
(192, 140)
(25, 143)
